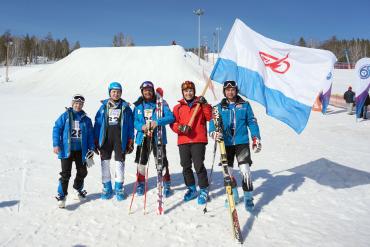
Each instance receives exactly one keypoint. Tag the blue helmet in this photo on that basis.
(114, 85)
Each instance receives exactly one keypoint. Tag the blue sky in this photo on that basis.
(158, 22)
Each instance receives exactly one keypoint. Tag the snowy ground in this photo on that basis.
(310, 189)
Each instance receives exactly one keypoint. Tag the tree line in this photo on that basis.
(31, 49)
(354, 49)
(28, 49)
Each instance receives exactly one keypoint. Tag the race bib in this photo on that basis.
(76, 131)
(114, 115)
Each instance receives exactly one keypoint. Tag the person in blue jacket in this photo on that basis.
(73, 138)
(147, 103)
(114, 131)
(237, 117)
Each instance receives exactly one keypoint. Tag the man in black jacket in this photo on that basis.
(349, 97)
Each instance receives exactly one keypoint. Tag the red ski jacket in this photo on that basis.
(183, 113)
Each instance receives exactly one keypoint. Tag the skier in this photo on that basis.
(73, 140)
(192, 140)
(114, 131)
(238, 117)
(147, 103)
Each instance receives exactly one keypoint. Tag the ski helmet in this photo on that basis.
(230, 84)
(147, 84)
(78, 98)
(114, 85)
(188, 85)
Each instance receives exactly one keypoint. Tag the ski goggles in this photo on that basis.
(146, 84)
(187, 85)
(229, 84)
(78, 98)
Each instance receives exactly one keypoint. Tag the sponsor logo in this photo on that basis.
(275, 64)
(365, 72)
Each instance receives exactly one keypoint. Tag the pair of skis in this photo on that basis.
(159, 157)
(227, 178)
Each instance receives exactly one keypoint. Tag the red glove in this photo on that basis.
(256, 146)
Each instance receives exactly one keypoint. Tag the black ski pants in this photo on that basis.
(65, 174)
(112, 143)
(243, 156)
(143, 151)
(193, 153)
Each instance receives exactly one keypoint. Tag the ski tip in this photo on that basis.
(205, 210)
(159, 90)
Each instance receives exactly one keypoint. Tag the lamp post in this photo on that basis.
(198, 12)
(218, 29)
(9, 43)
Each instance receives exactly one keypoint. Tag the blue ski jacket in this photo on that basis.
(62, 134)
(238, 117)
(126, 124)
(139, 120)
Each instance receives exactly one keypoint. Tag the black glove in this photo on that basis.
(130, 146)
(202, 100)
(185, 129)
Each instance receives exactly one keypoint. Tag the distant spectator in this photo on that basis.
(174, 42)
(364, 109)
(349, 97)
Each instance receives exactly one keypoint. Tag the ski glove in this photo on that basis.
(89, 158)
(257, 146)
(217, 136)
(130, 146)
(202, 100)
(183, 128)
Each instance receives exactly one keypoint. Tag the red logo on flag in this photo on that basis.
(277, 65)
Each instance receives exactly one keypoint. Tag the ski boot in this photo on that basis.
(167, 192)
(120, 193)
(80, 195)
(61, 201)
(248, 201)
(140, 188)
(107, 192)
(203, 196)
(191, 193)
(235, 196)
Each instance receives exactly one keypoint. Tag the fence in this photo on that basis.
(341, 65)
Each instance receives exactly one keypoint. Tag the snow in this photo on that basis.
(310, 189)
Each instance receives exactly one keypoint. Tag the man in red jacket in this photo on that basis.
(192, 140)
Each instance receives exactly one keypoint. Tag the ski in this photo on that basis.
(227, 178)
(159, 158)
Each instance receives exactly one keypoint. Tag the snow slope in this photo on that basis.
(311, 189)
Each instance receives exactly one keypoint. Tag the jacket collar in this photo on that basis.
(225, 103)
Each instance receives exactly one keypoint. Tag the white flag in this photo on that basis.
(284, 78)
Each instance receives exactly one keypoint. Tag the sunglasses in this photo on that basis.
(79, 98)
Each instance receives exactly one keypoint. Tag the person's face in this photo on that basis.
(115, 94)
(230, 93)
(188, 94)
(77, 106)
(148, 93)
